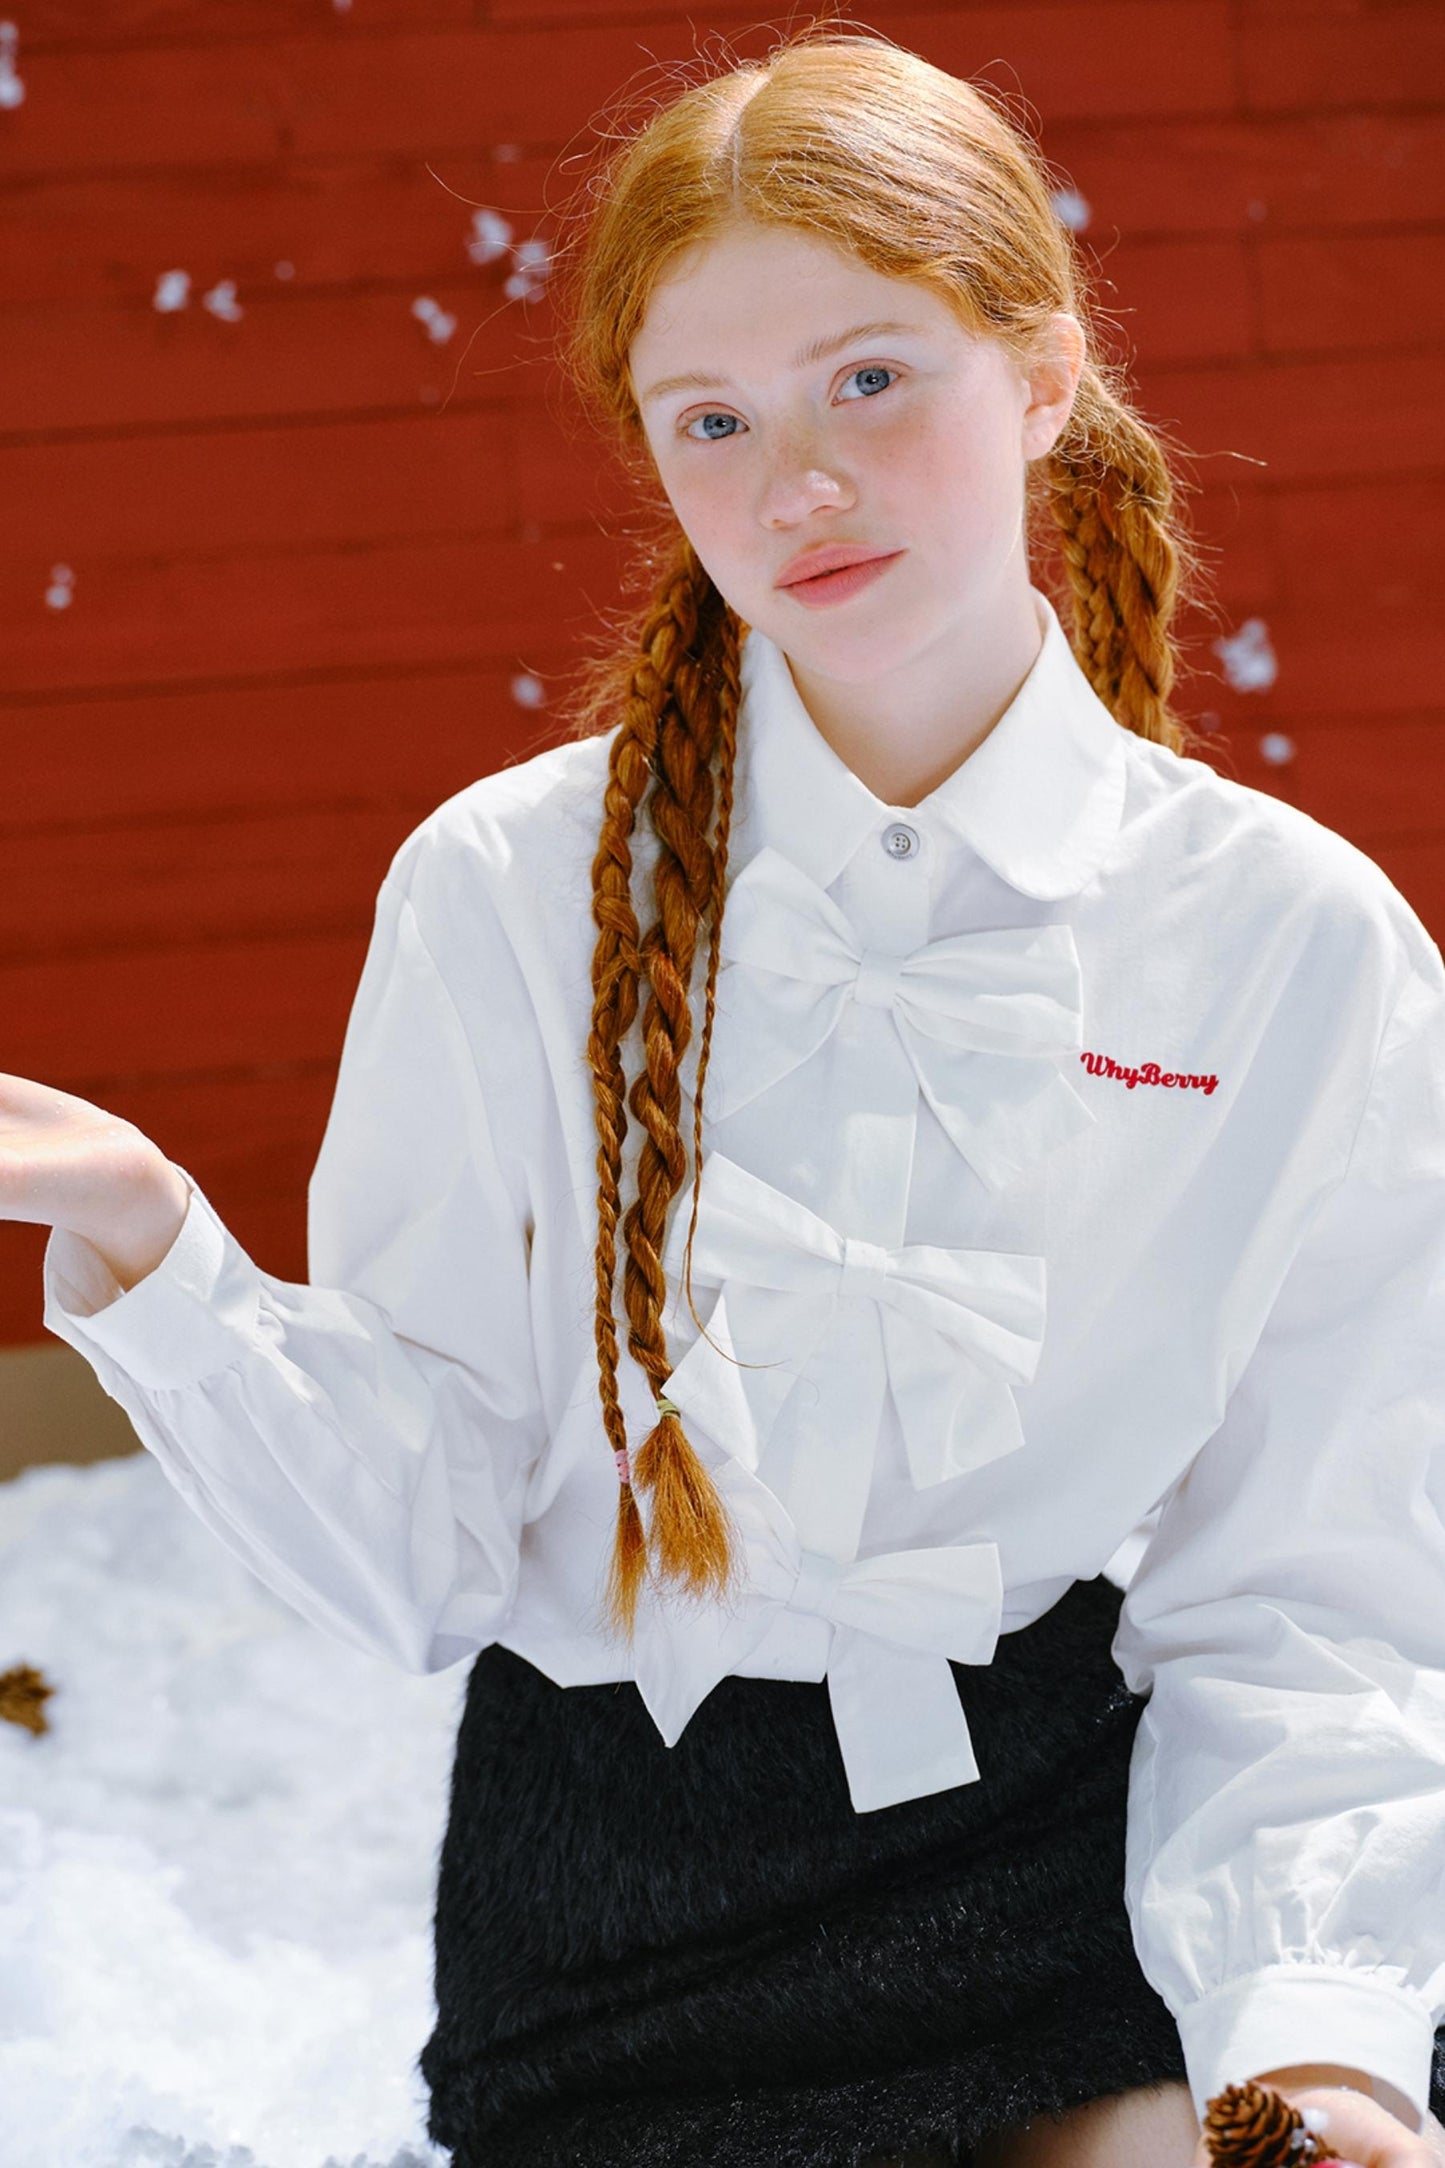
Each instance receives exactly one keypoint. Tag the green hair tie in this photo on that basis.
(666, 1406)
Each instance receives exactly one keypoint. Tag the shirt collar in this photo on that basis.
(1039, 800)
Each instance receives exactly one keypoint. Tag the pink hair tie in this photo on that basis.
(624, 1473)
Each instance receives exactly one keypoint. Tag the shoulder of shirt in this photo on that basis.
(523, 838)
(1268, 855)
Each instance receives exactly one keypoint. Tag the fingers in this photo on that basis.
(1360, 2132)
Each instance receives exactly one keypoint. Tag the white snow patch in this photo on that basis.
(173, 291)
(439, 324)
(222, 302)
(12, 90)
(491, 236)
(1250, 663)
(217, 1865)
(1071, 209)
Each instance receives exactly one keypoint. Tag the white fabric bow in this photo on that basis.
(984, 1017)
(959, 1327)
(896, 1619)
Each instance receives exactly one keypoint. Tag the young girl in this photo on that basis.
(992, 1125)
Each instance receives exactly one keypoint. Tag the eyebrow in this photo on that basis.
(819, 350)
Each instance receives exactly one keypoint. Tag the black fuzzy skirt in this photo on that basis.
(702, 1957)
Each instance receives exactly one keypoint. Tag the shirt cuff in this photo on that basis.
(194, 1314)
(1286, 2014)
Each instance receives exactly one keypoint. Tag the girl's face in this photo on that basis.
(833, 405)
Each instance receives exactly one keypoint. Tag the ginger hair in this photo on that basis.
(924, 177)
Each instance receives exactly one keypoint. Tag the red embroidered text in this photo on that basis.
(1147, 1072)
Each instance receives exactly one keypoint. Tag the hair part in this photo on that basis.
(921, 176)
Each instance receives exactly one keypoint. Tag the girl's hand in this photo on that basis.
(66, 1163)
(1360, 2132)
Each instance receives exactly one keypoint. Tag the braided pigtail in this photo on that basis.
(679, 712)
(1111, 492)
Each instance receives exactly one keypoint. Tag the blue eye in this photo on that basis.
(872, 368)
(875, 369)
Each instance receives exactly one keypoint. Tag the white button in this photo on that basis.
(900, 841)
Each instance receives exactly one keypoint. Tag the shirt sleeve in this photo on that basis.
(1286, 1827)
(361, 1442)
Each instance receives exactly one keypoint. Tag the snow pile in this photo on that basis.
(217, 1865)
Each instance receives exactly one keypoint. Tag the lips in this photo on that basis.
(832, 559)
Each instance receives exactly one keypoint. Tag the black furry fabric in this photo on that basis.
(702, 1957)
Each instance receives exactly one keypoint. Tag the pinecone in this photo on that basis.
(1253, 2126)
(23, 1694)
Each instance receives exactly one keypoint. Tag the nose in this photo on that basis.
(800, 477)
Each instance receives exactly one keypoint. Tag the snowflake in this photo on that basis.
(491, 236)
(1071, 209)
(12, 90)
(1250, 663)
(173, 291)
(222, 302)
(439, 325)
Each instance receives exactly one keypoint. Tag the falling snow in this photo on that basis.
(527, 691)
(1250, 663)
(1072, 209)
(173, 291)
(533, 261)
(12, 90)
(216, 1864)
(491, 236)
(439, 325)
(1276, 748)
(60, 593)
(222, 302)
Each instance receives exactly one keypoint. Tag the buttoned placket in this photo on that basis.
(865, 1165)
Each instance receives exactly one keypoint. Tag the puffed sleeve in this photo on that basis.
(1286, 1827)
(361, 1442)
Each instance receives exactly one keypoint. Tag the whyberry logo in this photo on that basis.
(1147, 1072)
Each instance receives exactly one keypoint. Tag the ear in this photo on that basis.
(1052, 377)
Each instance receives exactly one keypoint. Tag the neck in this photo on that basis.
(904, 734)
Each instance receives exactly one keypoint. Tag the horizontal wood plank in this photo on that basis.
(97, 1023)
(96, 368)
(161, 884)
(1313, 57)
(333, 95)
(288, 225)
(1180, 300)
(1322, 173)
(1332, 665)
(178, 619)
(1307, 420)
(1361, 779)
(208, 492)
(1353, 292)
(400, 741)
(105, 24)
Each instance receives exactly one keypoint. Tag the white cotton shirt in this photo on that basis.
(1074, 1186)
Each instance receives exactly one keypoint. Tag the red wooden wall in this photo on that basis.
(307, 550)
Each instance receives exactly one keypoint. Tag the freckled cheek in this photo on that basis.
(949, 490)
(720, 519)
